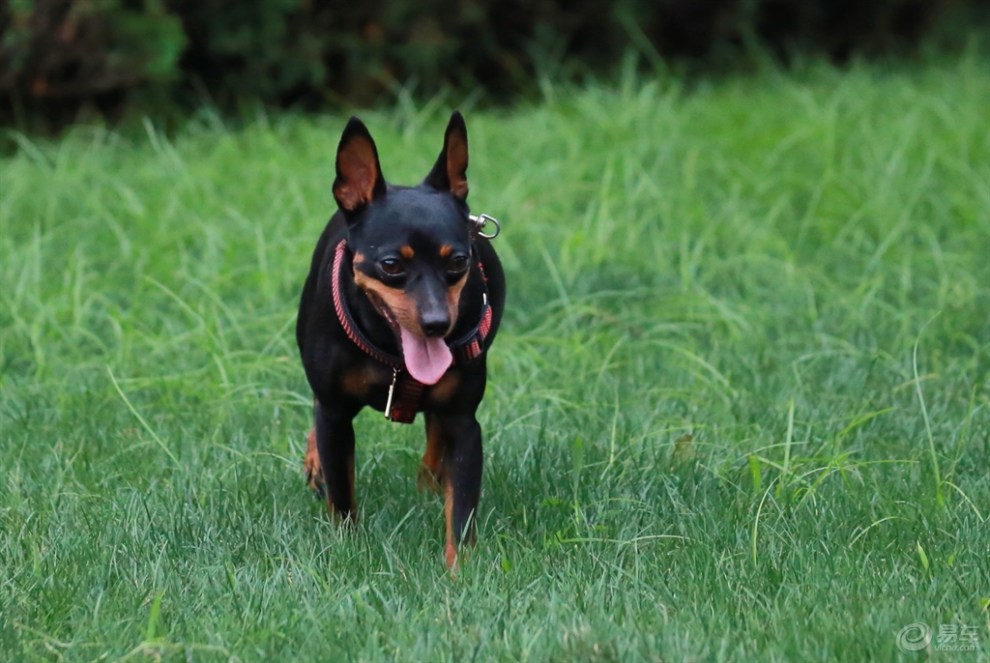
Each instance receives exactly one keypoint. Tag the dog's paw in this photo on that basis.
(312, 467)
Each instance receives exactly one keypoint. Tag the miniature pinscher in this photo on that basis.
(403, 300)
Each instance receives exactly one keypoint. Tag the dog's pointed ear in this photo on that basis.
(450, 171)
(359, 173)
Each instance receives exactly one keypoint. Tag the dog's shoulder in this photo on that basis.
(317, 285)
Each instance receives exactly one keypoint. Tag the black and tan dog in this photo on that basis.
(402, 302)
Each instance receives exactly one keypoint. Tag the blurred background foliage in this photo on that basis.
(59, 58)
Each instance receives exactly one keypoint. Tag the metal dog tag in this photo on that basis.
(391, 392)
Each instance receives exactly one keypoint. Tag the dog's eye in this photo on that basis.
(390, 266)
(457, 264)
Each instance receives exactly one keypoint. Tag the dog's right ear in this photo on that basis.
(359, 174)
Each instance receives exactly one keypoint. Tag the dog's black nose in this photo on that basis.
(435, 324)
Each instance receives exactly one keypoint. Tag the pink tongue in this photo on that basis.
(427, 359)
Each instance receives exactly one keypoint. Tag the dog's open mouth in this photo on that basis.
(427, 359)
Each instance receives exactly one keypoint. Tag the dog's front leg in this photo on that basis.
(461, 476)
(335, 444)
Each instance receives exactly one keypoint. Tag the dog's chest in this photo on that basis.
(372, 383)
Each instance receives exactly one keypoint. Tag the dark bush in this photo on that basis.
(57, 55)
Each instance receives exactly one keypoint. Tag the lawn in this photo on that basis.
(739, 407)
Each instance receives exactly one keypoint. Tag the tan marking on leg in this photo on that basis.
(311, 464)
(431, 469)
(450, 548)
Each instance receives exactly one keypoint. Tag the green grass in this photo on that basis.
(739, 406)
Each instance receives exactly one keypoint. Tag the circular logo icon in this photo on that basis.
(914, 637)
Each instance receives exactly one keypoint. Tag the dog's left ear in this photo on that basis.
(450, 171)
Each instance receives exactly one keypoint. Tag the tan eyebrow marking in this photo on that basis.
(407, 252)
(446, 250)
